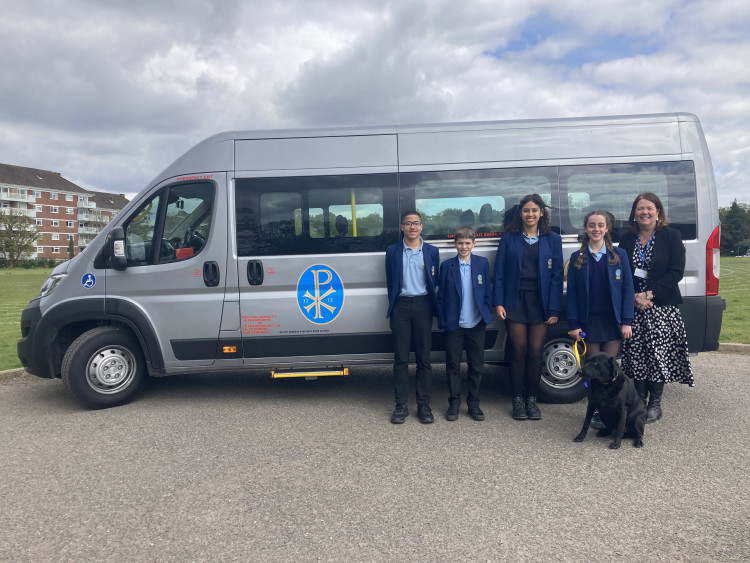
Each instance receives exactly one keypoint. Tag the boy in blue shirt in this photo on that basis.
(411, 268)
(463, 312)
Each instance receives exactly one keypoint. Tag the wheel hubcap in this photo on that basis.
(110, 370)
(560, 366)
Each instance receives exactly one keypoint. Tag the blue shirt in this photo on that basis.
(598, 255)
(531, 240)
(413, 280)
(470, 316)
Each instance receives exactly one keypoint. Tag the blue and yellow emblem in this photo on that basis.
(320, 294)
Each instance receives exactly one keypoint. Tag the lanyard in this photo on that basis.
(644, 251)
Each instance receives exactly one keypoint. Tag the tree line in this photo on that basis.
(735, 229)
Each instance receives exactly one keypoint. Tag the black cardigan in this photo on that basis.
(667, 264)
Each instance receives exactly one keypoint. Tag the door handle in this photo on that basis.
(255, 272)
(211, 274)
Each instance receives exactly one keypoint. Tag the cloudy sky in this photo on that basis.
(109, 92)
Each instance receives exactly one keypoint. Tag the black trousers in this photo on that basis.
(411, 324)
(471, 339)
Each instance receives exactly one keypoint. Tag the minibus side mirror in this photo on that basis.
(119, 260)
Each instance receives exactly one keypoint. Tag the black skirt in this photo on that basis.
(528, 309)
(602, 327)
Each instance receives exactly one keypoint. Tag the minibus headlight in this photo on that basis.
(51, 283)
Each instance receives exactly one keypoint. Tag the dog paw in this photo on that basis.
(580, 438)
(614, 446)
(638, 443)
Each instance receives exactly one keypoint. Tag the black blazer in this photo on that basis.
(667, 264)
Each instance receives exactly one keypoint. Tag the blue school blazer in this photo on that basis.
(508, 271)
(620, 289)
(394, 272)
(449, 291)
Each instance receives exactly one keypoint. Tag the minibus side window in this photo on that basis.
(139, 233)
(316, 214)
(483, 199)
(613, 188)
(187, 221)
(173, 225)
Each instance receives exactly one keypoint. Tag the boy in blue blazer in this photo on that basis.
(411, 271)
(464, 312)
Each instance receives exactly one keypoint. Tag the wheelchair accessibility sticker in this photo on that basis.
(320, 294)
(88, 281)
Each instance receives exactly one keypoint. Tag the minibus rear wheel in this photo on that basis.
(104, 367)
(561, 379)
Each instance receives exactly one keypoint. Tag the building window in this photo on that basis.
(55, 223)
(39, 222)
(70, 236)
(69, 210)
(54, 209)
(38, 208)
(53, 195)
(55, 236)
(55, 250)
(39, 249)
(68, 224)
(68, 197)
(83, 200)
(37, 193)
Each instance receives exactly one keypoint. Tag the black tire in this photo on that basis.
(561, 379)
(104, 367)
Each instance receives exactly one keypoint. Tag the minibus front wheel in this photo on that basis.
(561, 381)
(104, 367)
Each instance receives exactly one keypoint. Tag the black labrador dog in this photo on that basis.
(614, 394)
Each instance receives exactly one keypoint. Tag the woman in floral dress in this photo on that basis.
(657, 353)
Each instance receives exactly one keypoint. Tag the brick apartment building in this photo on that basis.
(62, 210)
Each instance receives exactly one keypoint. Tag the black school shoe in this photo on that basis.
(532, 410)
(476, 413)
(399, 414)
(519, 409)
(452, 413)
(424, 412)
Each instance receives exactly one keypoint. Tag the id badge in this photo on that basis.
(640, 273)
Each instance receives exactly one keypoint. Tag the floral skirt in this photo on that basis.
(658, 349)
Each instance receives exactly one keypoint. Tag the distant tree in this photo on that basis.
(735, 228)
(17, 236)
(71, 249)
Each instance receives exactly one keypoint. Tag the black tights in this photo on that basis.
(610, 348)
(526, 362)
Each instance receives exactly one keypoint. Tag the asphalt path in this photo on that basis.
(241, 467)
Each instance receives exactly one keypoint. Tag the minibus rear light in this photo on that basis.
(713, 264)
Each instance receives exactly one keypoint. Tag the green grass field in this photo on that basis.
(19, 286)
(734, 286)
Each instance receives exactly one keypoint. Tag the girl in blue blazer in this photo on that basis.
(600, 289)
(527, 295)
(600, 292)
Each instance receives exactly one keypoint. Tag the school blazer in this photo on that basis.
(508, 271)
(449, 291)
(394, 272)
(667, 264)
(620, 289)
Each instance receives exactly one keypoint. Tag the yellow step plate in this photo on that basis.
(276, 374)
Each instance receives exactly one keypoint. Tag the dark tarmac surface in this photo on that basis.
(241, 467)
